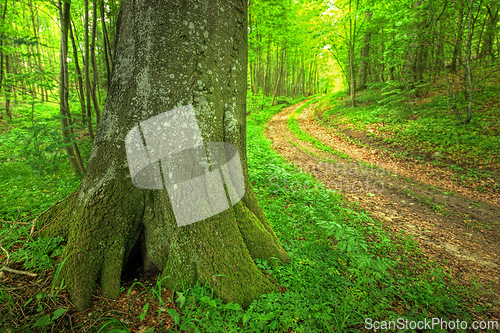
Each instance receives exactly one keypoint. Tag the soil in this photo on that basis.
(456, 226)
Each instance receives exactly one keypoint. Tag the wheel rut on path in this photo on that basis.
(457, 227)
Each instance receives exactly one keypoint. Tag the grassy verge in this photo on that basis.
(426, 131)
(344, 268)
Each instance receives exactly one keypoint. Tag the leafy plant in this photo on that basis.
(47, 320)
(39, 254)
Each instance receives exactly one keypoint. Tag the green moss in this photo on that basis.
(259, 242)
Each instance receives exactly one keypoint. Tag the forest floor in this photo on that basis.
(456, 225)
(345, 267)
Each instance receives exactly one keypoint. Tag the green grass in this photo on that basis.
(34, 171)
(426, 125)
(344, 267)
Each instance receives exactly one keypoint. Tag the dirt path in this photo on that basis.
(454, 226)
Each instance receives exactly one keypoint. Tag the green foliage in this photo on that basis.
(285, 54)
(344, 267)
(425, 127)
(47, 320)
(33, 166)
(39, 254)
(336, 277)
(256, 102)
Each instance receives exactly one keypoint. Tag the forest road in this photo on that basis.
(459, 229)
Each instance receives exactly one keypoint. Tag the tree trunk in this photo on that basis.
(8, 88)
(2, 56)
(95, 100)
(86, 68)
(352, 41)
(364, 56)
(107, 48)
(71, 148)
(468, 72)
(81, 90)
(38, 58)
(457, 47)
(268, 79)
(491, 31)
(168, 54)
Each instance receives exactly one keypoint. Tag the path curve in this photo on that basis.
(459, 231)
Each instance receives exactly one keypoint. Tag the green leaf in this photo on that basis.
(232, 306)
(174, 315)
(246, 318)
(181, 299)
(58, 313)
(144, 312)
(42, 321)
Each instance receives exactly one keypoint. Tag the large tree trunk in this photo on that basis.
(168, 54)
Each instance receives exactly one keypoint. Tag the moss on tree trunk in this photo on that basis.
(168, 54)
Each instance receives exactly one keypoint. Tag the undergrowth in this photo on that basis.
(345, 268)
(425, 126)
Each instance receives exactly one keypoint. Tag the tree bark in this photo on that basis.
(2, 56)
(468, 72)
(352, 41)
(491, 31)
(168, 54)
(8, 88)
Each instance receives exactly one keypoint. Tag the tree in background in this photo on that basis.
(285, 47)
(402, 46)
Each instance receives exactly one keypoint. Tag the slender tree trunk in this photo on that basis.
(7, 88)
(468, 65)
(352, 41)
(450, 95)
(457, 48)
(72, 151)
(38, 59)
(364, 56)
(107, 48)
(267, 80)
(81, 90)
(86, 66)
(491, 31)
(480, 38)
(1, 45)
(95, 70)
